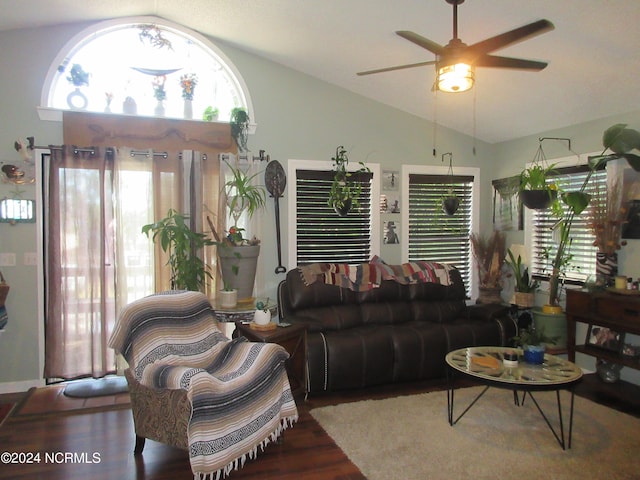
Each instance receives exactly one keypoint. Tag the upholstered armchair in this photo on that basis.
(191, 387)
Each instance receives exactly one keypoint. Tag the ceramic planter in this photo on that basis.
(538, 199)
(228, 298)
(262, 317)
(239, 268)
(345, 209)
(554, 325)
(450, 205)
(534, 354)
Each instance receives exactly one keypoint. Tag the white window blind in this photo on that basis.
(581, 248)
(322, 235)
(434, 235)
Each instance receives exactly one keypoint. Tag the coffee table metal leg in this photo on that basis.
(565, 444)
(450, 404)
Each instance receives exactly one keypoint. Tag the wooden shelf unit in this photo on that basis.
(620, 313)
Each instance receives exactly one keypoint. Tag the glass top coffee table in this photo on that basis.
(486, 366)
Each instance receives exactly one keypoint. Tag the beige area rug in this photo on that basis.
(410, 438)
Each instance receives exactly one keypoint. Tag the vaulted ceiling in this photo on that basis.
(592, 53)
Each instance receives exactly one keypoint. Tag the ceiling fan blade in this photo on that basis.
(508, 38)
(399, 67)
(421, 41)
(508, 62)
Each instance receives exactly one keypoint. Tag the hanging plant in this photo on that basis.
(450, 202)
(240, 127)
(536, 192)
(345, 193)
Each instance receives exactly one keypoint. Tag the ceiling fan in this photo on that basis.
(457, 52)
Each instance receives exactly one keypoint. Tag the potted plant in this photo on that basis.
(345, 192)
(621, 141)
(535, 192)
(525, 286)
(450, 201)
(240, 127)
(188, 270)
(489, 253)
(239, 255)
(210, 114)
(228, 296)
(533, 343)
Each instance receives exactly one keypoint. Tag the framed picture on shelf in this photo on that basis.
(605, 338)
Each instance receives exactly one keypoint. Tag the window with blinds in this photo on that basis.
(322, 235)
(545, 237)
(434, 235)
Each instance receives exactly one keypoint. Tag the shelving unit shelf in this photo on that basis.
(617, 312)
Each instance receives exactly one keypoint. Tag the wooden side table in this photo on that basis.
(294, 340)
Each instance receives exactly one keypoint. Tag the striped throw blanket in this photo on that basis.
(365, 276)
(239, 391)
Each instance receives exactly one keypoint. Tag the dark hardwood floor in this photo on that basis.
(95, 440)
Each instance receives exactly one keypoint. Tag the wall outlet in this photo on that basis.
(31, 258)
(7, 259)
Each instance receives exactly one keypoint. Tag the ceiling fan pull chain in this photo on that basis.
(435, 120)
(475, 96)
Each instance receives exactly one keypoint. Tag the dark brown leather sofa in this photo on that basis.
(390, 334)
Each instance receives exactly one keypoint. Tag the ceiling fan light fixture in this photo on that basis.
(455, 78)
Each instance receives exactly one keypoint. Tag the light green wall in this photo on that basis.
(299, 117)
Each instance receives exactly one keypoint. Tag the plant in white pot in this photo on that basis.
(239, 255)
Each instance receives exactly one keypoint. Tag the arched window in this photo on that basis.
(144, 66)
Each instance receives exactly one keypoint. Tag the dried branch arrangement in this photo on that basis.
(489, 253)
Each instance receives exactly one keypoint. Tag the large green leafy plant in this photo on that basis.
(618, 142)
(188, 270)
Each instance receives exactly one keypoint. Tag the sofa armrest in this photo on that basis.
(487, 311)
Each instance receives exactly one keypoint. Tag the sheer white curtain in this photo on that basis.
(97, 258)
(91, 216)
